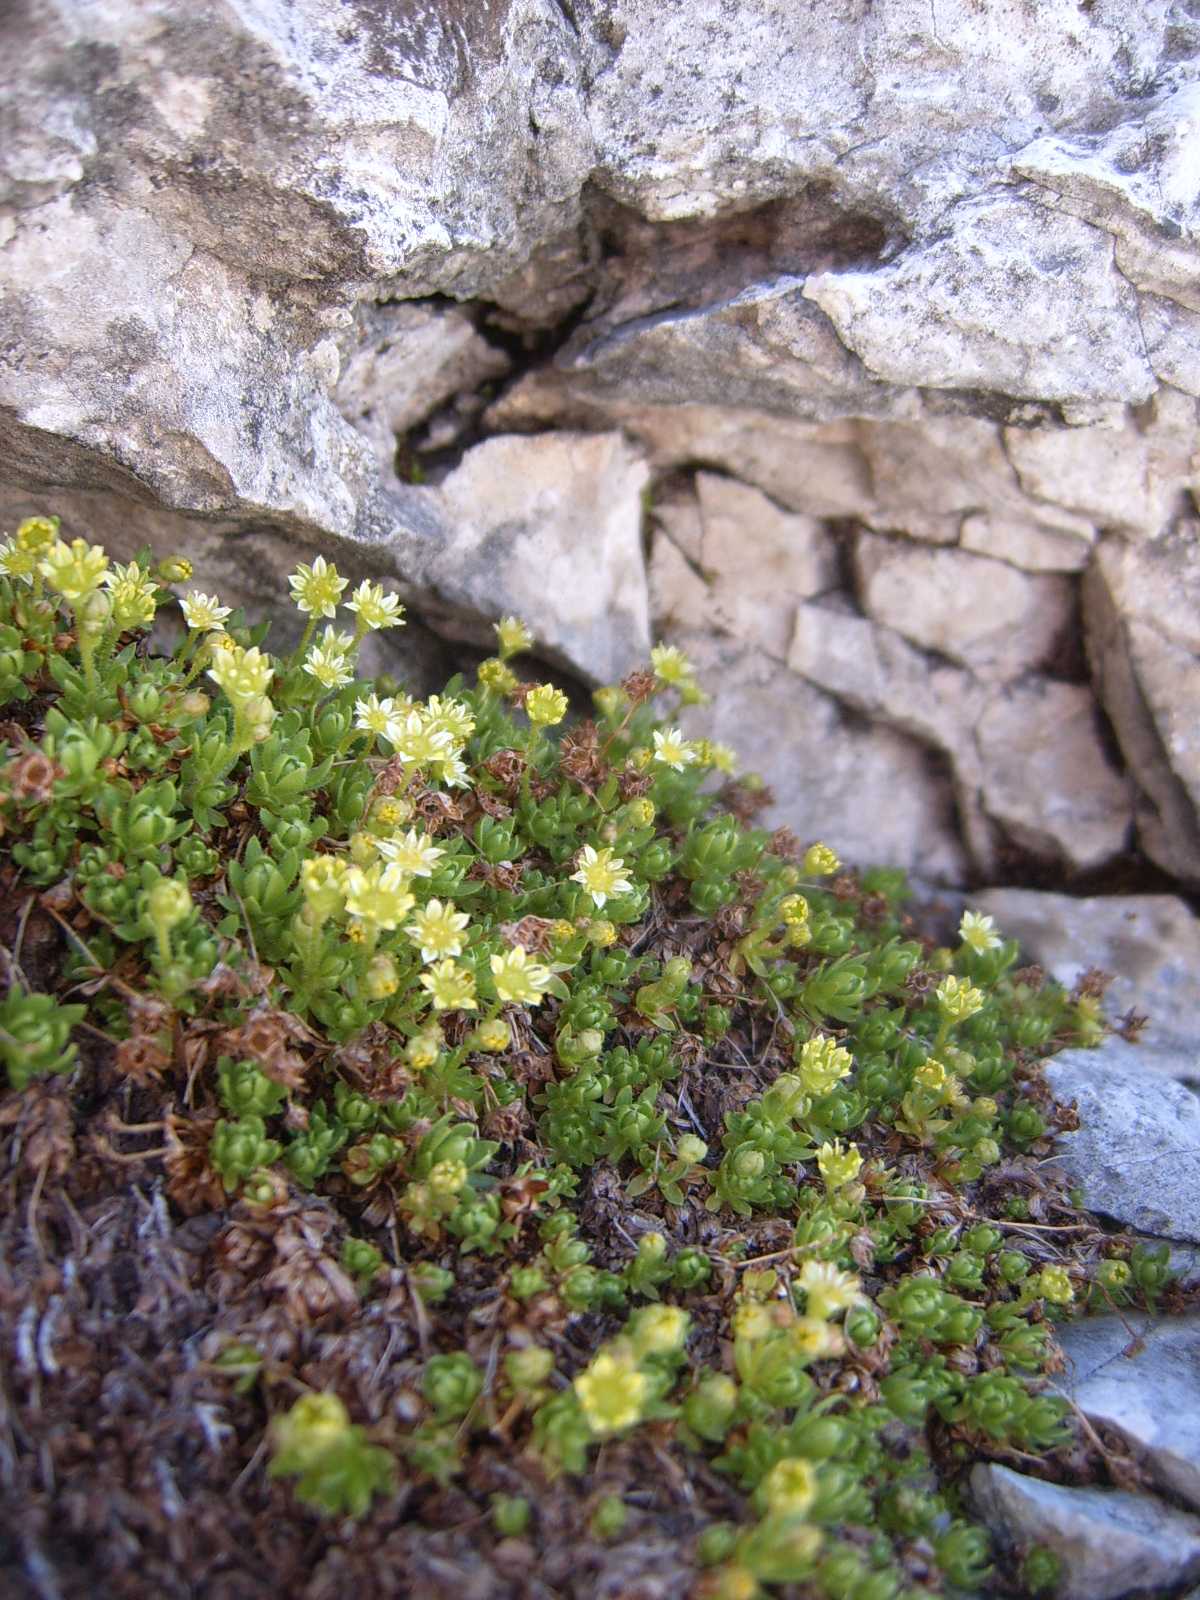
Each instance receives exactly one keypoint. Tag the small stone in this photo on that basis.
(1111, 1543)
(1136, 1153)
(1144, 1382)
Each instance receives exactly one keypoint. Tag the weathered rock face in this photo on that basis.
(895, 310)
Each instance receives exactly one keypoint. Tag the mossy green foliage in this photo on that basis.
(444, 961)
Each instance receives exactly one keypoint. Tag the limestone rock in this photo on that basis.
(549, 528)
(750, 543)
(1027, 757)
(876, 671)
(1101, 473)
(1136, 1154)
(1045, 546)
(936, 468)
(405, 361)
(1142, 614)
(1046, 777)
(868, 792)
(699, 111)
(1138, 182)
(765, 348)
(1111, 1543)
(750, 563)
(1144, 1382)
(194, 223)
(1149, 942)
(1010, 297)
(984, 614)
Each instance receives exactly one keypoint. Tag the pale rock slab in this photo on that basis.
(816, 468)
(1101, 473)
(1111, 1543)
(1027, 757)
(869, 793)
(1136, 1154)
(1142, 617)
(986, 615)
(1149, 942)
(1172, 335)
(680, 599)
(878, 672)
(547, 527)
(749, 543)
(1011, 297)
(1032, 546)
(943, 467)
(1046, 778)
(1143, 1381)
(733, 560)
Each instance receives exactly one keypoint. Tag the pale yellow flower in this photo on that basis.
(672, 749)
(512, 636)
(75, 570)
(316, 590)
(821, 1063)
(601, 874)
(671, 666)
(415, 742)
(375, 608)
(378, 895)
(243, 674)
(829, 1289)
(450, 987)
(202, 612)
(545, 705)
(517, 980)
(437, 930)
(958, 999)
(790, 1486)
(611, 1394)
